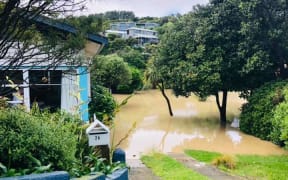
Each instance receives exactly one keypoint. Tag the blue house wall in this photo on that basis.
(84, 86)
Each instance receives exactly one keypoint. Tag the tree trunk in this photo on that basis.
(162, 89)
(222, 107)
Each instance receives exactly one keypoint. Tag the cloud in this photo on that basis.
(156, 8)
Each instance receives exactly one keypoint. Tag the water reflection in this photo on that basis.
(194, 126)
(188, 111)
(234, 136)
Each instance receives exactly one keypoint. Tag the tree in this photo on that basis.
(110, 71)
(89, 24)
(204, 53)
(265, 30)
(119, 15)
(133, 57)
(24, 36)
(118, 44)
(155, 78)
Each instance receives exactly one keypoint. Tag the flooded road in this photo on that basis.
(195, 125)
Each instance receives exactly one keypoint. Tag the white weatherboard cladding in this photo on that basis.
(69, 92)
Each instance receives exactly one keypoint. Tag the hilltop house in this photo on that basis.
(64, 87)
(143, 32)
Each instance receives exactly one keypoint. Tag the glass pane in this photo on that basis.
(45, 77)
(38, 77)
(46, 96)
(14, 77)
(55, 77)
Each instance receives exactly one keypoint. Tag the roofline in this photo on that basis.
(70, 29)
(142, 29)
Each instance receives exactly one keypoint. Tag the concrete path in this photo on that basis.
(207, 170)
(138, 171)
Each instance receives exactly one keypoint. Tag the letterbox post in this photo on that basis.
(99, 135)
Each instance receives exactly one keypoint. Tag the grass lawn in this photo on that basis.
(253, 166)
(168, 168)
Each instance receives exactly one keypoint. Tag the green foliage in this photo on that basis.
(135, 84)
(93, 163)
(40, 141)
(203, 156)
(279, 134)
(262, 167)
(257, 114)
(115, 45)
(98, 164)
(265, 19)
(168, 168)
(102, 103)
(137, 79)
(49, 138)
(119, 15)
(39, 168)
(133, 57)
(219, 47)
(253, 166)
(88, 24)
(110, 71)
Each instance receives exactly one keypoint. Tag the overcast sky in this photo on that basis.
(154, 8)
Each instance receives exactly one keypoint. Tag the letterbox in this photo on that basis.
(98, 133)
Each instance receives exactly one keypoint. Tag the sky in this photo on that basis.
(142, 8)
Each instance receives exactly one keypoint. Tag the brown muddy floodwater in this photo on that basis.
(195, 125)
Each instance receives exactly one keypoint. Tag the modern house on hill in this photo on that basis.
(147, 25)
(143, 35)
(122, 26)
(143, 32)
(65, 87)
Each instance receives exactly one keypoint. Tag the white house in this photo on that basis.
(143, 35)
(141, 31)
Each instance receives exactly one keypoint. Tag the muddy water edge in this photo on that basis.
(195, 125)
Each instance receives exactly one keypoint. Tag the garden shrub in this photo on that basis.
(279, 133)
(257, 115)
(50, 138)
(124, 89)
(135, 84)
(102, 103)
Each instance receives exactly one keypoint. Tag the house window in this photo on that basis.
(53, 89)
(45, 89)
(12, 86)
(11, 77)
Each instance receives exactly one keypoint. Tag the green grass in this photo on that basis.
(202, 156)
(252, 166)
(169, 169)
